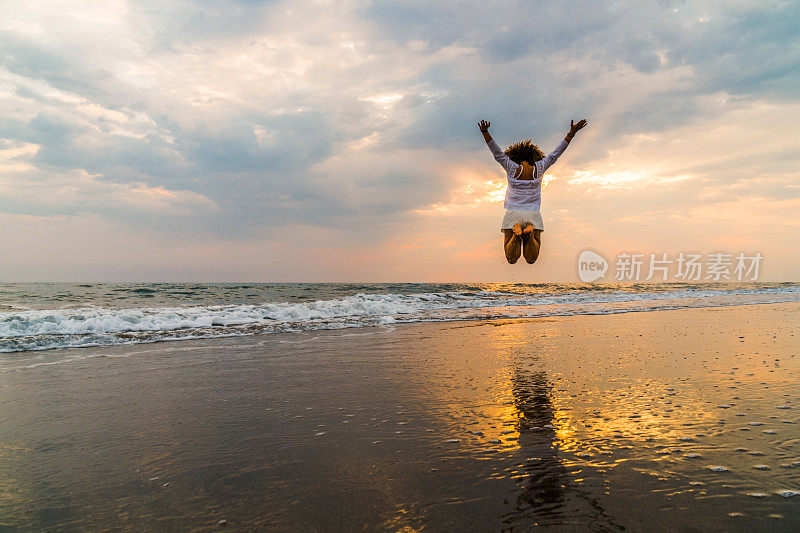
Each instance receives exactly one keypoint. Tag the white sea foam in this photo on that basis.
(30, 329)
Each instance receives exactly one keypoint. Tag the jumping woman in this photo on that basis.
(525, 165)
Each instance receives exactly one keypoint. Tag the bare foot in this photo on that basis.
(528, 231)
(517, 230)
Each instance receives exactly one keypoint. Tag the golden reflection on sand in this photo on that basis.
(590, 412)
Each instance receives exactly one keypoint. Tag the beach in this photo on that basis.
(375, 266)
(655, 420)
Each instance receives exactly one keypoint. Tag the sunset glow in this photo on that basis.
(275, 137)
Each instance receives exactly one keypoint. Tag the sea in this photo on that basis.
(43, 316)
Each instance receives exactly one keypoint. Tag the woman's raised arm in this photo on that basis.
(550, 158)
(498, 154)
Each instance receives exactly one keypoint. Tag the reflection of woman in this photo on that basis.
(525, 164)
(545, 491)
(549, 498)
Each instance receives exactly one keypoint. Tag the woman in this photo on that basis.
(525, 165)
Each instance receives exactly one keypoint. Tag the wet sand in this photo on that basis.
(685, 419)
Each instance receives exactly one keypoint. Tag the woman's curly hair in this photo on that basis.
(524, 151)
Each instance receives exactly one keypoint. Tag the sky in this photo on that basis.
(338, 141)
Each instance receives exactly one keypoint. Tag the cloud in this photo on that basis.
(29, 189)
(228, 121)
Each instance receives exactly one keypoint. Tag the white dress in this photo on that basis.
(523, 197)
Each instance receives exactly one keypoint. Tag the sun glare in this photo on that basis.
(387, 99)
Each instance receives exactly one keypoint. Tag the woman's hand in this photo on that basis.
(574, 128)
(484, 127)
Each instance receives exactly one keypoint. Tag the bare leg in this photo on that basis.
(512, 243)
(531, 243)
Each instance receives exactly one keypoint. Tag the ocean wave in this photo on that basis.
(22, 330)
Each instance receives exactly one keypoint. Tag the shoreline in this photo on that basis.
(631, 309)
